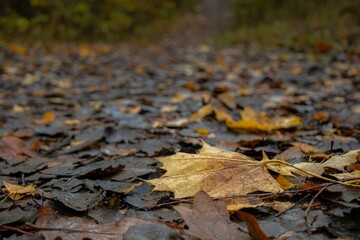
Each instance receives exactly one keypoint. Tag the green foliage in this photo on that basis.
(86, 20)
(294, 23)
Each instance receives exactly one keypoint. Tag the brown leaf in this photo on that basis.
(14, 147)
(208, 219)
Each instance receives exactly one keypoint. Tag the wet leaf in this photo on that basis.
(79, 201)
(208, 219)
(14, 147)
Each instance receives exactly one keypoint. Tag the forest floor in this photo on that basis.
(81, 128)
(87, 131)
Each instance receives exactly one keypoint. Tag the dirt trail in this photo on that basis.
(198, 27)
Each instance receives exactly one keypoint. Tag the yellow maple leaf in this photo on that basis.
(16, 192)
(217, 172)
(252, 120)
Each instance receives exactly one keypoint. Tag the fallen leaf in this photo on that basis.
(284, 183)
(217, 172)
(349, 175)
(237, 203)
(291, 170)
(251, 222)
(321, 116)
(201, 131)
(14, 147)
(47, 118)
(17, 192)
(312, 167)
(281, 206)
(52, 226)
(306, 148)
(252, 120)
(209, 219)
(80, 201)
(339, 162)
(227, 99)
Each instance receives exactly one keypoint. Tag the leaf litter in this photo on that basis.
(83, 131)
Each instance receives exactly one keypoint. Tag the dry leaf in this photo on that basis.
(349, 175)
(236, 203)
(252, 120)
(284, 183)
(339, 162)
(219, 173)
(228, 100)
(290, 170)
(17, 192)
(47, 118)
(306, 148)
(208, 219)
(281, 206)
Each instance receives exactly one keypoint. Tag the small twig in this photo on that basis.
(302, 199)
(17, 230)
(7, 196)
(23, 179)
(248, 195)
(32, 226)
(267, 162)
(312, 201)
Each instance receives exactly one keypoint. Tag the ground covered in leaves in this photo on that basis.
(81, 128)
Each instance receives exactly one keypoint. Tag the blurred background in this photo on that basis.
(295, 24)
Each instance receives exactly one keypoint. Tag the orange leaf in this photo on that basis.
(252, 224)
(47, 118)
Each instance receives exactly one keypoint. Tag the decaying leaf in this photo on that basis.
(208, 219)
(17, 192)
(219, 173)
